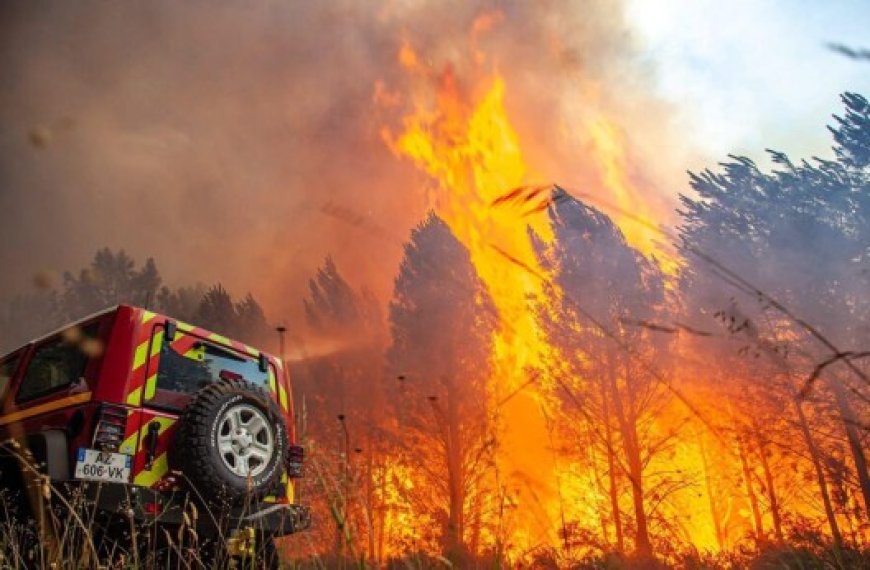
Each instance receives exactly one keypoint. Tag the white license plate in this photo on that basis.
(103, 466)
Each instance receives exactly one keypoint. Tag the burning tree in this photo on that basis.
(599, 362)
(768, 254)
(442, 321)
(337, 381)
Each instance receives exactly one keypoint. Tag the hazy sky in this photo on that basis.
(762, 59)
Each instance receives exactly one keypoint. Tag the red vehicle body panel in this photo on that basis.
(121, 373)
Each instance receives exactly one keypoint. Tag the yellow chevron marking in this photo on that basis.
(220, 338)
(157, 344)
(184, 327)
(147, 316)
(151, 382)
(129, 444)
(272, 381)
(159, 468)
(141, 355)
(196, 353)
(134, 398)
(43, 408)
(150, 386)
(282, 397)
(163, 422)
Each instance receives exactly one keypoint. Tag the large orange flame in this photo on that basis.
(624, 201)
(473, 154)
(462, 137)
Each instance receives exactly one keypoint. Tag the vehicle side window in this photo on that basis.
(7, 370)
(55, 364)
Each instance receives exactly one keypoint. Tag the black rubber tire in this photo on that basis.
(195, 451)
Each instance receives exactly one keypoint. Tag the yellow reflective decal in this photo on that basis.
(141, 355)
(272, 383)
(282, 396)
(150, 386)
(134, 398)
(147, 478)
(196, 353)
(158, 343)
(221, 339)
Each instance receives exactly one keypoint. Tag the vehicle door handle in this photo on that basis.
(151, 442)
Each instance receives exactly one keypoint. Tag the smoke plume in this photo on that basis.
(240, 142)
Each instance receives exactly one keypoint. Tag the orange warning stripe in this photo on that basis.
(43, 408)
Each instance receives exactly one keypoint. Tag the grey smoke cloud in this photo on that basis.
(222, 137)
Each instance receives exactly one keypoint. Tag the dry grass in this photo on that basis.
(45, 525)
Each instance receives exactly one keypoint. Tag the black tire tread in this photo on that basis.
(191, 449)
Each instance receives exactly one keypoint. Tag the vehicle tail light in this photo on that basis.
(295, 457)
(111, 424)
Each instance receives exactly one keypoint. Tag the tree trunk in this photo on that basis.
(750, 490)
(611, 463)
(456, 490)
(644, 547)
(850, 423)
(370, 501)
(382, 518)
(475, 524)
(771, 490)
(592, 458)
(628, 429)
(714, 509)
(820, 476)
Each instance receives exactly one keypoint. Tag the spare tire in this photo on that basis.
(231, 442)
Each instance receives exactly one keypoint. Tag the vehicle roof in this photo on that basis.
(113, 309)
(62, 328)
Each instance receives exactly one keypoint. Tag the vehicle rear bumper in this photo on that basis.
(169, 508)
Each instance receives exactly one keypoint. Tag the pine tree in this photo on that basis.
(600, 289)
(800, 235)
(442, 321)
(181, 303)
(110, 279)
(333, 302)
(251, 324)
(339, 382)
(216, 311)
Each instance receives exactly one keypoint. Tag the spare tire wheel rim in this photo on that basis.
(244, 440)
